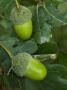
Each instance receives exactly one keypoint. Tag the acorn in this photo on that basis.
(22, 22)
(24, 64)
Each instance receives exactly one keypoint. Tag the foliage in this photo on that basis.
(49, 36)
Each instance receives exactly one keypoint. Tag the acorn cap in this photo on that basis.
(20, 63)
(20, 16)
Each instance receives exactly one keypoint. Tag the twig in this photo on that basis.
(45, 56)
(17, 5)
(6, 50)
(9, 71)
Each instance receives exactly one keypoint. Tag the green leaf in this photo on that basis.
(56, 12)
(60, 36)
(17, 46)
(42, 29)
(6, 6)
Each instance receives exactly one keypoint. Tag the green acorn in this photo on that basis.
(24, 64)
(21, 19)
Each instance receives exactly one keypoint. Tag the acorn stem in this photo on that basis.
(17, 5)
(7, 51)
(9, 70)
(45, 56)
